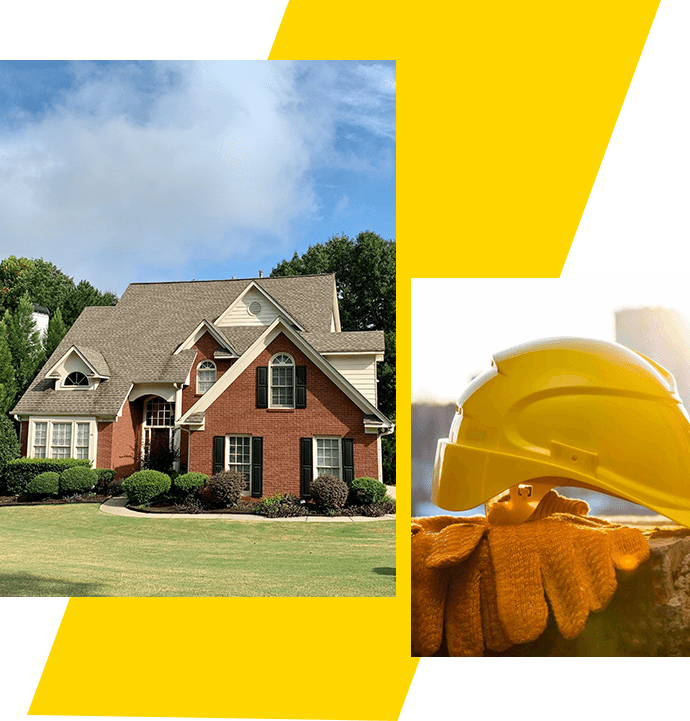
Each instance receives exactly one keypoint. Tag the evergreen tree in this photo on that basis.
(55, 333)
(8, 382)
(24, 343)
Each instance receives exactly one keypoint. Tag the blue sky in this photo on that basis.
(162, 170)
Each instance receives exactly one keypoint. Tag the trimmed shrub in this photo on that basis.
(329, 491)
(364, 491)
(19, 472)
(106, 485)
(9, 443)
(144, 486)
(189, 483)
(280, 506)
(226, 487)
(77, 480)
(45, 484)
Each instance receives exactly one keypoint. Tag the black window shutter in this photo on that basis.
(257, 466)
(348, 460)
(307, 469)
(218, 454)
(262, 387)
(300, 386)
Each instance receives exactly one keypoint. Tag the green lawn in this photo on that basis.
(76, 550)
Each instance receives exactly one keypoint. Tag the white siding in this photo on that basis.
(240, 314)
(360, 370)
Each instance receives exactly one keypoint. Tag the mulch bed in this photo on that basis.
(24, 501)
(231, 512)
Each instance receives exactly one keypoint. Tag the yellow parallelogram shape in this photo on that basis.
(504, 114)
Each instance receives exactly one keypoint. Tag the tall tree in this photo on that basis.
(55, 333)
(8, 381)
(365, 280)
(24, 342)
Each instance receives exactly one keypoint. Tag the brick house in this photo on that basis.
(253, 374)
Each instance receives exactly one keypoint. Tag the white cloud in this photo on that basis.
(179, 160)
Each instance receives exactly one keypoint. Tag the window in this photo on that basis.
(327, 455)
(76, 379)
(205, 376)
(63, 438)
(61, 443)
(40, 440)
(159, 419)
(82, 442)
(240, 458)
(282, 391)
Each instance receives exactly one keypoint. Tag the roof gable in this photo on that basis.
(198, 332)
(254, 307)
(85, 360)
(263, 341)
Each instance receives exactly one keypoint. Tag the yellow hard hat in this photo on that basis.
(569, 412)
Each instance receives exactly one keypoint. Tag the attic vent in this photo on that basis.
(255, 307)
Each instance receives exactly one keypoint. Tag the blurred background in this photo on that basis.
(458, 323)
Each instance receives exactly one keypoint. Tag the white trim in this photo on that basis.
(119, 413)
(336, 308)
(247, 492)
(263, 341)
(221, 318)
(270, 379)
(50, 420)
(379, 455)
(198, 332)
(314, 452)
(82, 357)
(166, 391)
(378, 357)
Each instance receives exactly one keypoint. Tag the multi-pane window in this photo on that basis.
(159, 413)
(61, 442)
(327, 457)
(82, 440)
(40, 439)
(205, 376)
(282, 381)
(62, 439)
(240, 457)
(77, 379)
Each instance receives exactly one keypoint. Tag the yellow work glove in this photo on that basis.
(489, 592)
(437, 538)
(568, 558)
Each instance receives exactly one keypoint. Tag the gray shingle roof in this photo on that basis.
(135, 340)
(364, 341)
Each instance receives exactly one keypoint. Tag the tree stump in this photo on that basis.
(648, 616)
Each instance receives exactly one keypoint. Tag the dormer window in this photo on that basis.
(282, 375)
(205, 376)
(76, 379)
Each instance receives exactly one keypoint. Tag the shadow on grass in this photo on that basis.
(384, 571)
(24, 584)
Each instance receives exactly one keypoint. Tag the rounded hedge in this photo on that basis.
(226, 487)
(365, 491)
(77, 479)
(143, 486)
(45, 484)
(189, 483)
(329, 491)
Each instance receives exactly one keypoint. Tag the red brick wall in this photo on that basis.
(329, 412)
(119, 442)
(23, 438)
(206, 345)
